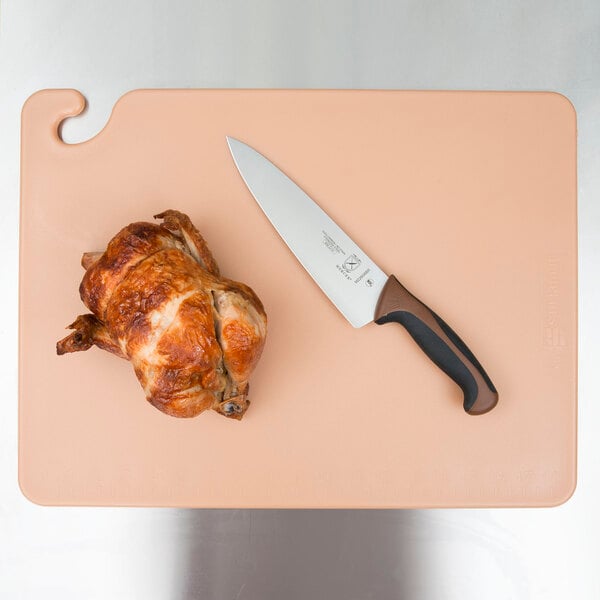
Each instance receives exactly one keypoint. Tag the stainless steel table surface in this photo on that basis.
(105, 48)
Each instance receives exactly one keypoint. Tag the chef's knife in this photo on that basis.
(360, 290)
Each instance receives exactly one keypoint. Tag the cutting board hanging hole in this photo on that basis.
(78, 124)
(64, 131)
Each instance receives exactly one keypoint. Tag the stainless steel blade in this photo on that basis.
(350, 279)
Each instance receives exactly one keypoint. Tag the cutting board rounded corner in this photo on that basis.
(29, 491)
(563, 493)
(564, 101)
(48, 108)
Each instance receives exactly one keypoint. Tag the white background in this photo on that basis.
(107, 47)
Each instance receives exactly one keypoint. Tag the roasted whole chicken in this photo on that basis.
(158, 300)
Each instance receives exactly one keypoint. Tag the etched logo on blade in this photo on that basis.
(351, 263)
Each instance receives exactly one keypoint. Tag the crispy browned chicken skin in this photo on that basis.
(157, 299)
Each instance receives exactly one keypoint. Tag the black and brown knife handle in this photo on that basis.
(396, 304)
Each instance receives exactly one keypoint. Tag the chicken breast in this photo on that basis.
(157, 299)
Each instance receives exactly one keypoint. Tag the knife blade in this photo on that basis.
(360, 290)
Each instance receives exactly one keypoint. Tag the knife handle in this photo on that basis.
(440, 343)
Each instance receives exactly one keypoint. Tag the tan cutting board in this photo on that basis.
(468, 197)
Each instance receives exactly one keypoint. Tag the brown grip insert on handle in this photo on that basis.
(440, 343)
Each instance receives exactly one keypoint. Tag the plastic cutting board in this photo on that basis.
(469, 198)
